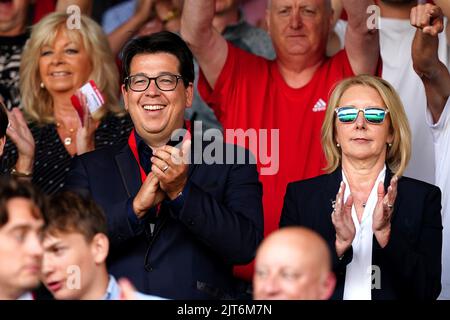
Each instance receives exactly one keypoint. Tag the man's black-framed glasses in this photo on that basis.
(164, 82)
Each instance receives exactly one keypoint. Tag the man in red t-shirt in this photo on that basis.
(283, 100)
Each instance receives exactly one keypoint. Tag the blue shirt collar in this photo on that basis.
(113, 290)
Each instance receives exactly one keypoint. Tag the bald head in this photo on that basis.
(302, 242)
(293, 263)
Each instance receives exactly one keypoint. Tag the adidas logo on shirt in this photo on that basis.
(319, 106)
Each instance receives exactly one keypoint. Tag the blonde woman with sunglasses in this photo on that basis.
(384, 230)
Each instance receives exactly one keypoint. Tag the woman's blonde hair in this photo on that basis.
(398, 155)
(36, 101)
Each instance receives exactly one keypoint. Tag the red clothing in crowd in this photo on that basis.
(42, 8)
(250, 93)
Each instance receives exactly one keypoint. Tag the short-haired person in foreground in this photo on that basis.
(75, 249)
(176, 227)
(293, 263)
(384, 230)
(21, 224)
(429, 21)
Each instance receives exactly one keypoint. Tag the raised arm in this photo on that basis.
(127, 30)
(428, 19)
(208, 46)
(361, 42)
(445, 6)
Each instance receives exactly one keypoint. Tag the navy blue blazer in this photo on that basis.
(410, 264)
(190, 252)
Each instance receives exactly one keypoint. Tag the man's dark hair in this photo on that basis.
(11, 187)
(69, 212)
(3, 120)
(163, 41)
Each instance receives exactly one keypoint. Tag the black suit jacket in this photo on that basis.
(190, 253)
(410, 264)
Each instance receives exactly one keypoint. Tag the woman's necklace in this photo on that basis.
(68, 139)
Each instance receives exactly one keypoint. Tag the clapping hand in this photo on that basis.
(342, 221)
(21, 136)
(171, 166)
(381, 224)
(149, 195)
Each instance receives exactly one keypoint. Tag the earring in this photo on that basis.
(42, 85)
(338, 145)
(389, 145)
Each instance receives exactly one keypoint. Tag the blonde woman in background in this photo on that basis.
(55, 64)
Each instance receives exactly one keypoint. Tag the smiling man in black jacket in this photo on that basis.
(176, 229)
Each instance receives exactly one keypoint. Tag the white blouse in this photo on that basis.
(358, 277)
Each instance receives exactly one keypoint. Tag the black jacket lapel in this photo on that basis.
(129, 170)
